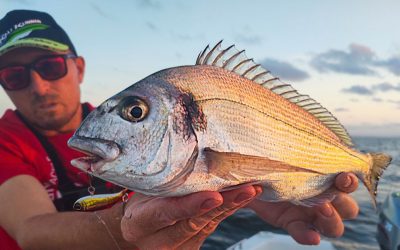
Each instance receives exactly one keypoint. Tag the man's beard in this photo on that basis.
(51, 120)
(53, 123)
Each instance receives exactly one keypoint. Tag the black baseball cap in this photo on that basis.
(28, 28)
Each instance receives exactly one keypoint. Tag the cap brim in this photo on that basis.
(41, 43)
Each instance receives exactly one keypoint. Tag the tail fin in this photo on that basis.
(379, 163)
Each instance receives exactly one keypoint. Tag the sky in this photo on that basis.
(344, 54)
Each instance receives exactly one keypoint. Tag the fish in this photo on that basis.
(98, 201)
(219, 124)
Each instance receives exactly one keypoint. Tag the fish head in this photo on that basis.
(140, 138)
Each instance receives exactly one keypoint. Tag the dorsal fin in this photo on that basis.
(236, 61)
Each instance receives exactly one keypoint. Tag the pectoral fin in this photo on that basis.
(236, 166)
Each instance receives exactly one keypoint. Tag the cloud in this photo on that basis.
(375, 130)
(284, 70)
(377, 99)
(151, 26)
(358, 89)
(178, 55)
(186, 37)
(248, 39)
(392, 64)
(99, 11)
(149, 4)
(341, 110)
(384, 87)
(396, 102)
(362, 90)
(354, 100)
(356, 61)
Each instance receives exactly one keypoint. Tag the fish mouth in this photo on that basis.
(90, 163)
(98, 152)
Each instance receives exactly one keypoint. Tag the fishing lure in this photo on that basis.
(99, 201)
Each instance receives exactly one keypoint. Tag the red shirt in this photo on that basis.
(22, 153)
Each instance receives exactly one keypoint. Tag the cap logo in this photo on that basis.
(21, 30)
(34, 30)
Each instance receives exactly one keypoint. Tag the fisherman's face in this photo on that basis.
(46, 104)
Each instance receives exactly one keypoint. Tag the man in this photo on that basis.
(41, 73)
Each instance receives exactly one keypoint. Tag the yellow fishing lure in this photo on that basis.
(98, 201)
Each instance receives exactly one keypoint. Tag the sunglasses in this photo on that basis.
(49, 68)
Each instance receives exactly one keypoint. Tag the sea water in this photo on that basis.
(360, 233)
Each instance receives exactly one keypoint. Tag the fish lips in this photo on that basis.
(99, 151)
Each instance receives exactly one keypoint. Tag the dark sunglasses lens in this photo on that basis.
(51, 68)
(14, 78)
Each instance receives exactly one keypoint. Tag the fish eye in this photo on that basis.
(133, 109)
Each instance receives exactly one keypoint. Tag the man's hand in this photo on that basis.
(306, 224)
(180, 222)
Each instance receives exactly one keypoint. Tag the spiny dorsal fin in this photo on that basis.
(236, 61)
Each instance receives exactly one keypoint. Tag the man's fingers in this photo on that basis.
(303, 233)
(193, 231)
(202, 235)
(346, 206)
(190, 233)
(206, 231)
(328, 222)
(233, 200)
(346, 182)
(144, 216)
(297, 221)
(306, 224)
(171, 237)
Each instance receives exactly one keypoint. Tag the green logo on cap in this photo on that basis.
(20, 38)
(25, 31)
